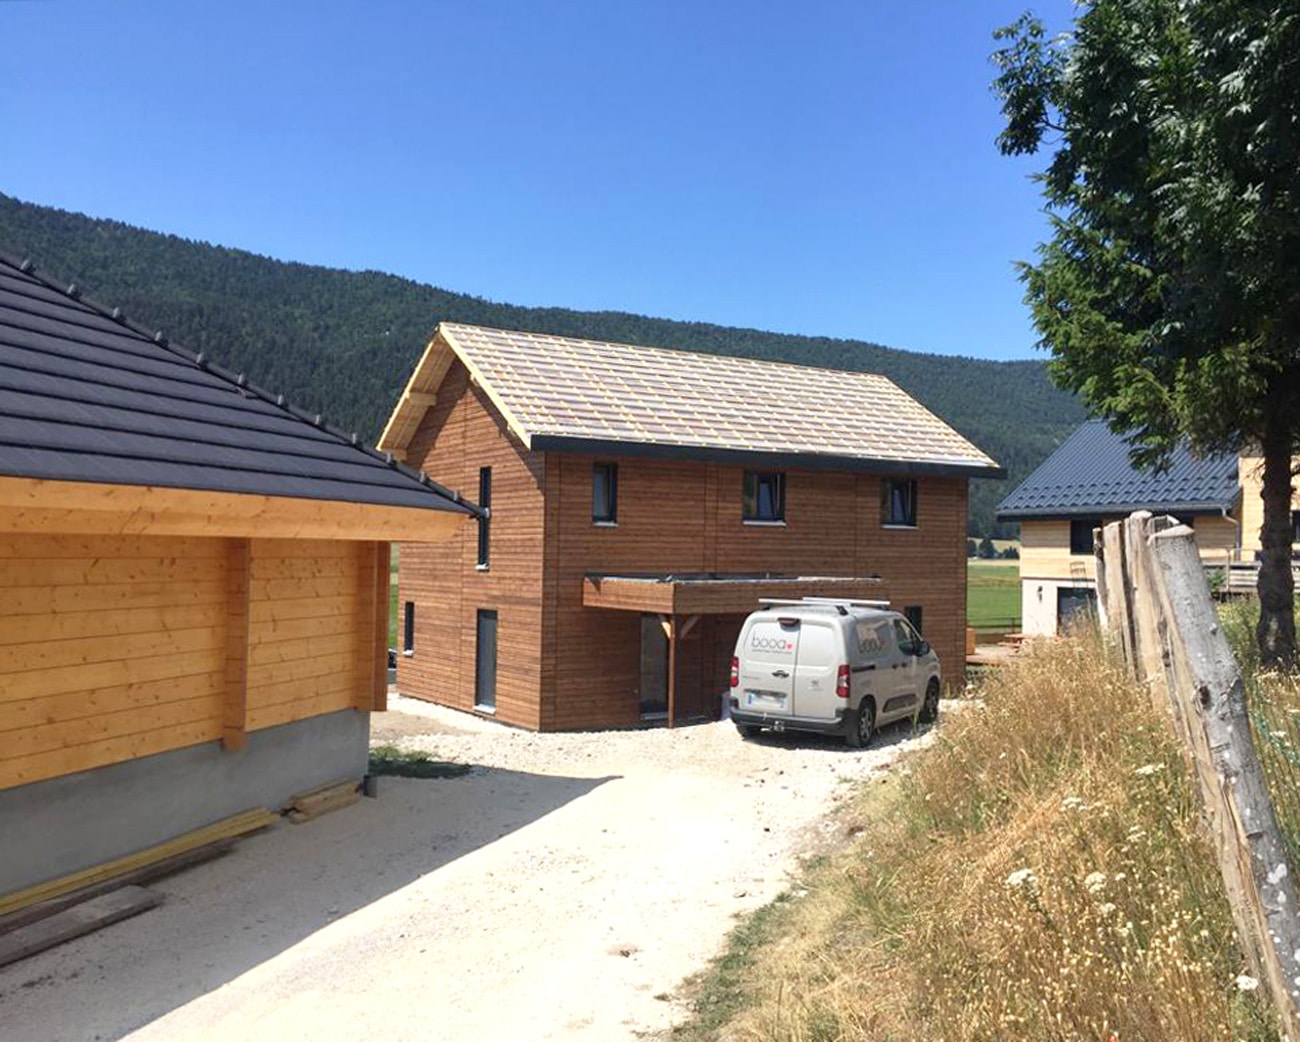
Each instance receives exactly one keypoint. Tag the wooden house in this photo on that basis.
(641, 501)
(194, 585)
(1090, 480)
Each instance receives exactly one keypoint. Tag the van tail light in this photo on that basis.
(735, 671)
(842, 682)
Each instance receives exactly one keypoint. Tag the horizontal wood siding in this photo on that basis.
(1045, 548)
(308, 602)
(681, 517)
(460, 434)
(111, 648)
(115, 647)
(1250, 475)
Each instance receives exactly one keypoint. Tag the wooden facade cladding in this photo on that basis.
(564, 664)
(117, 647)
(1045, 548)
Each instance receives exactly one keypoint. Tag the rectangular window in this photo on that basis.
(913, 614)
(898, 503)
(485, 662)
(1081, 535)
(764, 496)
(1295, 526)
(484, 523)
(604, 493)
(408, 628)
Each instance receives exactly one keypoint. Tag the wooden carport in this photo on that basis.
(681, 599)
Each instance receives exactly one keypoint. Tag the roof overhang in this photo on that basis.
(718, 595)
(75, 507)
(773, 460)
(1200, 508)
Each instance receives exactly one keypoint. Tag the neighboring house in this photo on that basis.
(1089, 480)
(195, 587)
(642, 500)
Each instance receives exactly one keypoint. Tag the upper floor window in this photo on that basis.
(764, 496)
(1081, 534)
(484, 523)
(604, 493)
(898, 502)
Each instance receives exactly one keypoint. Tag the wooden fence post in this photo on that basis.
(1209, 703)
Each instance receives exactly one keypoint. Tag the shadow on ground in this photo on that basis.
(273, 891)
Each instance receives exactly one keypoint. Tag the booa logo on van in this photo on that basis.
(759, 643)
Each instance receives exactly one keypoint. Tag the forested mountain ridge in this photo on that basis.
(343, 343)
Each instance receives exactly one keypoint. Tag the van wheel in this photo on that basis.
(748, 730)
(930, 707)
(862, 724)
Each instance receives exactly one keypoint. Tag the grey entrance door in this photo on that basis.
(485, 662)
(654, 667)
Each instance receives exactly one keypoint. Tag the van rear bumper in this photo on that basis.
(781, 722)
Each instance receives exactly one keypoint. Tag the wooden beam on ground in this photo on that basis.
(237, 825)
(234, 722)
(141, 876)
(77, 921)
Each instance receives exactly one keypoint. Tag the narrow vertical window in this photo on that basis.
(484, 523)
(914, 614)
(898, 503)
(408, 628)
(763, 496)
(604, 493)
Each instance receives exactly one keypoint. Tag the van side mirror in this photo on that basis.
(920, 648)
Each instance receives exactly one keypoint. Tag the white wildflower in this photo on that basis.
(1106, 909)
(1072, 803)
(1095, 882)
(1245, 983)
(1148, 769)
(1021, 877)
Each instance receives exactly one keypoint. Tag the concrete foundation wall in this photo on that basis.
(63, 825)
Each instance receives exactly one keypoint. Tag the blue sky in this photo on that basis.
(821, 168)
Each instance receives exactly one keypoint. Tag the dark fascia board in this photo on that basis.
(747, 458)
(1196, 509)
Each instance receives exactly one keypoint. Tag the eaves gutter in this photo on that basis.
(748, 458)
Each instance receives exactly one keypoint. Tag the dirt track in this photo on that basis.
(561, 890)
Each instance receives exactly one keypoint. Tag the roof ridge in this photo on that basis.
(27, 267)
(706, 355)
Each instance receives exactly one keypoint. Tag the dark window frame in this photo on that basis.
(752, 506)
(1081, 535)
(907, 514)
(608, 472)
(915, 613)
(408, 628)
(484, 561)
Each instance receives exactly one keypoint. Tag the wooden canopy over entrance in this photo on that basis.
(680, 599)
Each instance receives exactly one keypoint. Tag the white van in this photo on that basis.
(831, 667)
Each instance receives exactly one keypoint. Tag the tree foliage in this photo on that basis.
(1168, 291)
(343, 343)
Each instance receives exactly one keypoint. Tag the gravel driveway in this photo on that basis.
(561, 890)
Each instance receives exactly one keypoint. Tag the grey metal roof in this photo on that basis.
(1091, 474)
(86, 395)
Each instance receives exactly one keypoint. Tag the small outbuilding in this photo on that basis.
(194, 583)
(642, 502)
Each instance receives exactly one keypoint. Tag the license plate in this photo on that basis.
(766, 699)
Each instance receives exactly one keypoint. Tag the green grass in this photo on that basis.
(388, 759)
(993, 595)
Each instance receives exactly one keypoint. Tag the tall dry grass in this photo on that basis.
(1040, 874)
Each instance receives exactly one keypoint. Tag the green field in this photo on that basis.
(993, 595)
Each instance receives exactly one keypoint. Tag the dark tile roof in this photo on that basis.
(1091, 474)
(86, 395)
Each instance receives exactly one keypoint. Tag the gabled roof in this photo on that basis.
(561, 394)
(88, 396)
(1091, 474)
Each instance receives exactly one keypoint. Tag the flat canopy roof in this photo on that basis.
(712, 594)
